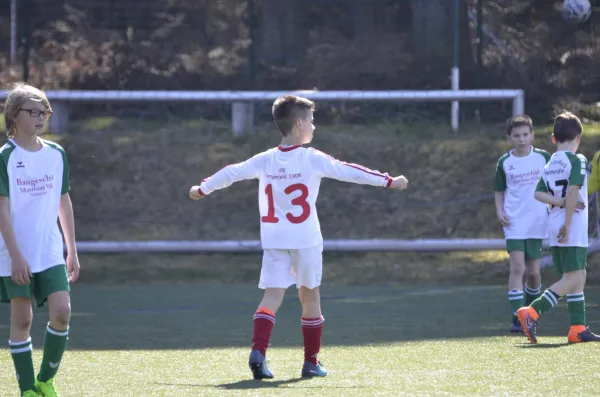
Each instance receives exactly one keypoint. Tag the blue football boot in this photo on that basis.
(310, 370)
(258, 366)
(516, 326)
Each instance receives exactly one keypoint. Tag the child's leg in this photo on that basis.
(57, 332)
(515, 278)
(568, 282)
(571, 263)
(312, 322)
(264, 318)
(533, 278)
(579, 332)
(533, 281)
(576, 300)
(275, 276)
(309, 267)
(21, 317)
(528, 316)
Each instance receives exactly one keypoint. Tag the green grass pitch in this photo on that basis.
(193, 340)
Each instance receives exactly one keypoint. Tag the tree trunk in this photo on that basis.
(282, 32)
(433, 33)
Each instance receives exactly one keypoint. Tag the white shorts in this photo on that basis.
(283, 268)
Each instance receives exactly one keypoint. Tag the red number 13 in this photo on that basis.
(300, 201)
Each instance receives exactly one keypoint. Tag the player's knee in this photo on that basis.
(272, 298)
(534, 277)
(60, 315)
(517, 268)
(311, 296)
(582, 278)
(22, 320)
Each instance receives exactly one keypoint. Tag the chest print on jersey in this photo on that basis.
(282, 174)
(524, 178)
(35, 186)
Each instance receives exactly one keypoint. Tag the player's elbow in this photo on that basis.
(539, 196)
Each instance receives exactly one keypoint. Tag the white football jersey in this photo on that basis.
(517, 177)
(563, 170)
(34, 183)
(289, 180)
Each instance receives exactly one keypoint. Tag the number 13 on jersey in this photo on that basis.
(299, 201)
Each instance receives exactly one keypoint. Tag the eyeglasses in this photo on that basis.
(36, 113)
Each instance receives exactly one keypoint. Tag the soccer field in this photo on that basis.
(193, 340)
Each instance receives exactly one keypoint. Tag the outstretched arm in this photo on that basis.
(249, 169)
(329, 167)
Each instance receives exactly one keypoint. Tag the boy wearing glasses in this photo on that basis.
(34, 192)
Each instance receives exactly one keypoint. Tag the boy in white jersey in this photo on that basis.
(562, 186)
(289, 178)
(523, 218)
(34, 192)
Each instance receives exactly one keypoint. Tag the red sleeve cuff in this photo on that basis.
(389, 182)
(201, 192)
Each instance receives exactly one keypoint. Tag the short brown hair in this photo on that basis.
(518, 121)
(567, 127)
(289, 108)
(18, 95)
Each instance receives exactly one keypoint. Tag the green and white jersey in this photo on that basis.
(563, 170)
(34, 183)
(517, 177)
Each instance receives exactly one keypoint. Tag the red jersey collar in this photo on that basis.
(288, 148)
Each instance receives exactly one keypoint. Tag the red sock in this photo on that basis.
(264, 320)
(312, 328)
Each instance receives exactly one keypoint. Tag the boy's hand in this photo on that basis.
(73, 267)
(503, 218)
(195, 193)
(21, 272)
(563, 233)
(399, 183)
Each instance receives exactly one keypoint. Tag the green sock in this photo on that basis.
(55, 343)
(21, 355)
(532, 294)
(545, 302)
(576, 303)
(515, 298)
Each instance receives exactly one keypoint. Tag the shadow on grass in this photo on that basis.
(259, 384)
(202, 316)
(249, 384)
(543, 345)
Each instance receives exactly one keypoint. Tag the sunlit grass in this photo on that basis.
(377, 341)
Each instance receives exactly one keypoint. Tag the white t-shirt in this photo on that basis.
(517, 177)
(563, 170)
(289, 180)
(34, 183)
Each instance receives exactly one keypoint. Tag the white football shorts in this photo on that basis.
(282, 268)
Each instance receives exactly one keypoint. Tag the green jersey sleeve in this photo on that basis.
(541, 186)
(3, 177)
(5, 152)
(578, 169)
(500, 178)
(65, 186)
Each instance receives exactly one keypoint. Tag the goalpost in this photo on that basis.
(242, 109)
